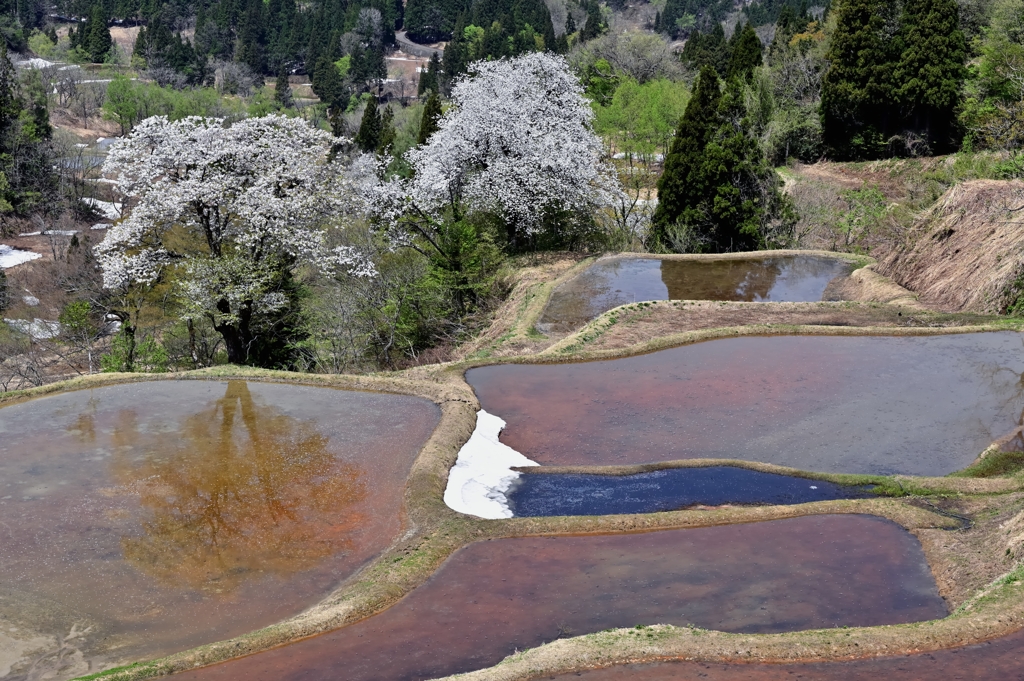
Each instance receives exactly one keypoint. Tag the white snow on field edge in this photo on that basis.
(111, 211)
(483, 473)
(9, 256)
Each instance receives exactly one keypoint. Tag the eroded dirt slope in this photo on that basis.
(967, 252)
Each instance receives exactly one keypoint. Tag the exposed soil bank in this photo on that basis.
(153, 517)
(493, 598)
(611, 282)
(876, 405)
(996, 660)
(965, 253)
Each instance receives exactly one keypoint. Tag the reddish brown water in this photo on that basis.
(618, 281)
(920, 406)
(492, 598)
(998, 660)
(164, 515)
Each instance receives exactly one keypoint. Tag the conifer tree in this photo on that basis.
(387, 131)
(677, 189)
(431, 115)
(594, 26)
(746, 54)
(717, 185)
(429, 78)
(282, 90)
(859, 107)
(931, 69)
(97, 41)
(368, 137)
(328, 85)
(570, 24)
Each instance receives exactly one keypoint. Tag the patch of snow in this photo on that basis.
(81, 146)
(9, 257)
(31, 301)
(35, 63)
(111, 211)
(37, 328)
(59, 232)
(100, 225)
(483, 473)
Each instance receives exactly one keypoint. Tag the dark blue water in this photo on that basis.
(550, 494)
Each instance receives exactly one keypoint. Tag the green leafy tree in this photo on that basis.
(122, 103)
(369, 134)
(431, 115)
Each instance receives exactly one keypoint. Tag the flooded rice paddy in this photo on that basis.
(618, 281)
(495, 597)
(143, 519)
(997, 660)
(879, 405)
(546, 494)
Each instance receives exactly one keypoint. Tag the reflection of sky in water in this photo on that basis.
(541, 494)
(619, 281)
(914, 405)
(494, 597)
(168, 514)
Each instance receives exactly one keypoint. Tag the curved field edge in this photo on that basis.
(997, 611)
(434, 532)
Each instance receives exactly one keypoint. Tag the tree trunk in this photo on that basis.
(237, 338)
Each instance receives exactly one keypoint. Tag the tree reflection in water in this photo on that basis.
(240, 491)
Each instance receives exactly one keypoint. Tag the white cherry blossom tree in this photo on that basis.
(517, 142)
(228, 207)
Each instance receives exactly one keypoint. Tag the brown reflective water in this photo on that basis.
(492, 598)
(618, 281)
(150, 518)
(998, 660)
(920, 406)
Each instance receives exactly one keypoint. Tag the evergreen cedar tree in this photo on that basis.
(93, 37)
(283, 90)
(376, 129)
(883, 85)
(717, 181)
(156, 45)
(431, 116)
(27, 178)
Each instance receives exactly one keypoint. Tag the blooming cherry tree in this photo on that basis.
(228, 207)
(517, 141)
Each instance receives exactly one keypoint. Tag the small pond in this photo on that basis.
(138, 520)
(495, 597)
(879, 405)
(546, 494)
(998, 660)
(618, 281)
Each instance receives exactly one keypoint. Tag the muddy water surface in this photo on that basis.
(143, 519)
(618, 281)
(998, 660)
(494, 597)
(541, 494)
(919, 406)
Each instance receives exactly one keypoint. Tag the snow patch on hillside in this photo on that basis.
(9, 256)
(483, 472)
